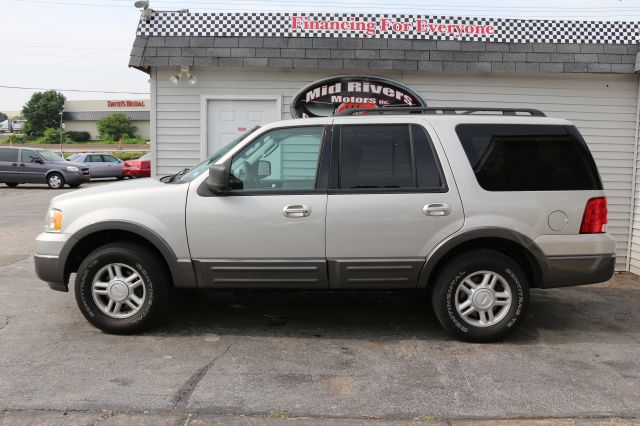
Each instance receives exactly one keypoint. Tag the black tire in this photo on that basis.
(156, 286)
(120, 177)
(75, 185)
(474, 264)
(55, 180)
(11, 184)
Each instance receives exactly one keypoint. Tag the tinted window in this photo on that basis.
(9, 154)
(528, 157)
(109, 159)
(94, 158)
(280, 159)
(376, 157)
(27, 156)
(428, 167)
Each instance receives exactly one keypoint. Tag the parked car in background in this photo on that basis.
(36, 165)
(100, 165)
(138, 168)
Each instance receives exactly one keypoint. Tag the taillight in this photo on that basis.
(594, 220)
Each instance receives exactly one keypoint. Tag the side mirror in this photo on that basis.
(38, 160)
(218, 180)
(264, 169)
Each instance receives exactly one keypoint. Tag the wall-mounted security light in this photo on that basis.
(147, 13)
(184, 72)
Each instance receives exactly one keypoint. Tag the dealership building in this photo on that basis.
(83, 116)
(215, 75)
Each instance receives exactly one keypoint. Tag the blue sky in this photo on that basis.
(85, 44)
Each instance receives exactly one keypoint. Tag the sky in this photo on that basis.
(85, 44)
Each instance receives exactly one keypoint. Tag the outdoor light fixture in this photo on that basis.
(184, 72)
(146, 11)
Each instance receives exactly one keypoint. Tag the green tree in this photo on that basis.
(116, 126)
(3, 116)
(43, 111)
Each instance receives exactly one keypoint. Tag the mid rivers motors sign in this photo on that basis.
(325, 98)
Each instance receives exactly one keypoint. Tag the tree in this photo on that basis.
(116, 126)
(3, 116)
(43, 111)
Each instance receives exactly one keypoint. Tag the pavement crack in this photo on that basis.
(181, 397)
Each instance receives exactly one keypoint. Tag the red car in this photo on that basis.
(138, 168)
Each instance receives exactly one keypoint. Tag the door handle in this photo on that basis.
(296, 210)
(437, 209)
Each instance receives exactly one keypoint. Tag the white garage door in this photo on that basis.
(229, 118)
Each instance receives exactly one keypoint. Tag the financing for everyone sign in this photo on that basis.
(326, 97)
(418, 26)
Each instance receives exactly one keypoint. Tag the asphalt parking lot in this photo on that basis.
(261, 357)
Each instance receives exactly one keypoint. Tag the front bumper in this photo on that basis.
(49, 261)
(566, 271)
(76, 179)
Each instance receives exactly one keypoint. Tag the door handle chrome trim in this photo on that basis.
(437, 209)
(296, 210)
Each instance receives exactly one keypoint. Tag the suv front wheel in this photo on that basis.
(480, 296)
(121, 288)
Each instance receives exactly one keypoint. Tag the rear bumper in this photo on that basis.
(136, 172)
(566, 271)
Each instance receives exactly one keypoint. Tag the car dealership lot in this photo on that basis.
(324, 356)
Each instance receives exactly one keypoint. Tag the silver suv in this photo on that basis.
(474, 206)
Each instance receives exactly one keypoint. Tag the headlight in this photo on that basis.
(54, 220)
(72, 169)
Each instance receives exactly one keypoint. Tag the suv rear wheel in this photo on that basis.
(480, 296)
(121, 288)
(11, 184)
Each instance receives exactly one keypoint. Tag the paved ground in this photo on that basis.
(256, 357)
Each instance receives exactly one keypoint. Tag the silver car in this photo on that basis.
(475, 207)
(100, 165)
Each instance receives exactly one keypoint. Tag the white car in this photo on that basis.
(476, 206)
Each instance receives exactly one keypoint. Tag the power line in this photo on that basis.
(60, 56)
(611, 11)
(40, 46)
(74, 90)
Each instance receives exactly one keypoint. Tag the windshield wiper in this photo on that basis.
(174, 177)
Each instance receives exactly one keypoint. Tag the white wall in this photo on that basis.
(603, 106)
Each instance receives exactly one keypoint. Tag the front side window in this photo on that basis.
(508, 157)
(27, 156)
(282, 159)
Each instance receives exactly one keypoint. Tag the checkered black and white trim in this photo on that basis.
(421, 27)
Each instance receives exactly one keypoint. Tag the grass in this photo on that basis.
(282, 414)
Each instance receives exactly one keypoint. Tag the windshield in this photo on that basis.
(145, 157)
(202, 167)
(50, 156)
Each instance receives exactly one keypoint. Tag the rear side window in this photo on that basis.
(529, 157)
(390, 156)
(9, 154)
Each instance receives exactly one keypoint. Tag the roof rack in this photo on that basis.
(444, 111)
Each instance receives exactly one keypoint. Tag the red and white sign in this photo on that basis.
(125, 104)
(390, 25)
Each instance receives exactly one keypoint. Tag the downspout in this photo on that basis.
(634, 173)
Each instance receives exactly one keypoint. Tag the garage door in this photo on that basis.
(227, 119)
